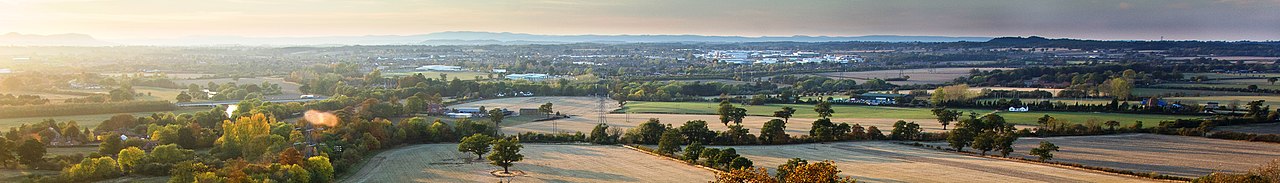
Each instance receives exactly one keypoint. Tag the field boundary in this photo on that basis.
(1173, 178)
(713, 170)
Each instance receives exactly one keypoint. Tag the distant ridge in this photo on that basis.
(16, 39)
(507, 38)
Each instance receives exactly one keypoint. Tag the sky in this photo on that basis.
(1086, 19)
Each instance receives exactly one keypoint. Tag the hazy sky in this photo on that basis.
(1094, 19)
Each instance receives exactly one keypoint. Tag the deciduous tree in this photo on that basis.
(506, 153)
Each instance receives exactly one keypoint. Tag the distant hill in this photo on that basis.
(506, 38)
(16, 39)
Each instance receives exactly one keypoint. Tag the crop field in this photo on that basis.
(462, 75)
(1221, 85)
(289, 89)
(1149, 92)
(542, 163)
(1226, 100)
(584, 117)
(1230, 75)
(1175, 155)
(887, 162)
(86, 121)
(918, 76)
(924, 115)
(1263, 128)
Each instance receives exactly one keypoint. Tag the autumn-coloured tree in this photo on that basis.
(754, 175)
(824, 171)
(290, 156)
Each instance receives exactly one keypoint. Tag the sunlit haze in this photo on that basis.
(1089, 19)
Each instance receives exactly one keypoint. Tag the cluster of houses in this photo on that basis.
(775, 57)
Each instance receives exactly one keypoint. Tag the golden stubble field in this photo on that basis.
(585, 116)
(542, 163)
(888, 162)
(1176, 155)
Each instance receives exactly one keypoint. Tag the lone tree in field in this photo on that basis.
(505, 153)
(477, 144)
(496, 115)
(1045, 151)
(545, 109)
(945, 117)
(785, 113)
(824, 109)
(725, 111)
(1273, 80)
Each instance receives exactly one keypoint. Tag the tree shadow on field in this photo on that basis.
(593, 176)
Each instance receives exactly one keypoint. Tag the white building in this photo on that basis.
(499, 71)
(440, 68)
(5, 71)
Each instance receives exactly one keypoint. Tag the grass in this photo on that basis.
(923, 114)
(88, 121)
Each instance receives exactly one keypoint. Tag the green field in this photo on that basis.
(857, 111)
(88, 121)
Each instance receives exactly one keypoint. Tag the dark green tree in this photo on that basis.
(823, 109)
(1045, 151)
(785, 113)
(477, 144)
(774, 132)
(670, 142)
(506, 153)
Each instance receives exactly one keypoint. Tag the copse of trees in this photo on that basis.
(990, 132)
(795, 170)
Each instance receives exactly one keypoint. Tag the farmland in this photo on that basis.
(918, 76)
(289, 90)
(887, 162)
(88, 121)
(542, 163)
(918, 114)
(463, 75)
(1176, 155)
(1262, 128)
